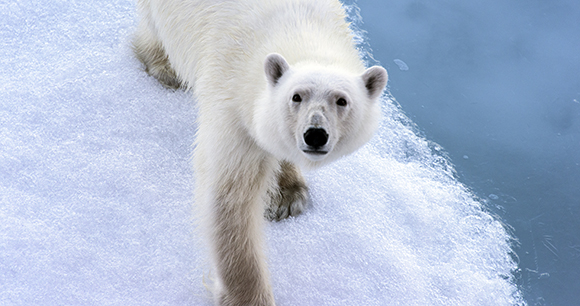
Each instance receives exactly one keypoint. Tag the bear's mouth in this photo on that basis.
(315, 152)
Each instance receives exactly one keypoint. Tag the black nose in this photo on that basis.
(315, 138)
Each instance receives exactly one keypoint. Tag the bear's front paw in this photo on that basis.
(290, 196)
(286, 203)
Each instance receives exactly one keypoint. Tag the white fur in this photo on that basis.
(245, 60)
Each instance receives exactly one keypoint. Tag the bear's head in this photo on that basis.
(312, 115)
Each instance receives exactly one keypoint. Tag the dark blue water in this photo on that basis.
(497, 84)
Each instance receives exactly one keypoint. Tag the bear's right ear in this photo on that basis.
(375, 80)
(275, 66)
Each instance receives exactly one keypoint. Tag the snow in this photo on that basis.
(96, 190)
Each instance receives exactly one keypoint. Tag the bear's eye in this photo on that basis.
(341, 102)
(296, 98)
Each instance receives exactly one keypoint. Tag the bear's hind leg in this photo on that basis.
(150, 52)
(289, 195)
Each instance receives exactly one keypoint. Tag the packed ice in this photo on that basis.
(96, 190)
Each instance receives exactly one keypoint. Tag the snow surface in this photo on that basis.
(96, 190)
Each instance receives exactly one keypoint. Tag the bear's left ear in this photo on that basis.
(375, 80)
(275, 66)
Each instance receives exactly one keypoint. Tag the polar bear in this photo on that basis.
(280, 87)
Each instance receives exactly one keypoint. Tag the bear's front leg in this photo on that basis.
(232, 189)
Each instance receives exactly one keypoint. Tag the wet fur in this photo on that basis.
(150, 52)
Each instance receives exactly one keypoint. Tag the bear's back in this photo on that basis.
(225, 40)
